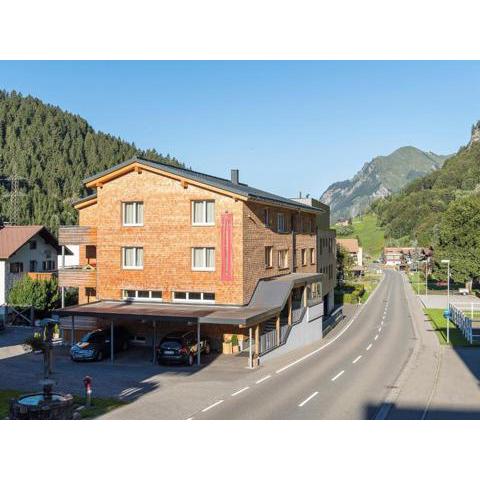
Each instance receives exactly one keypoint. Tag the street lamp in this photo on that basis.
(448, 298)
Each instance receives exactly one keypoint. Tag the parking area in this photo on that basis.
(133, 374)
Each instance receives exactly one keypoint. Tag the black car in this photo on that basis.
(181, 347)
(95, 345)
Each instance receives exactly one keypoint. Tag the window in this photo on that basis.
(203, 212)
(283, 259)
(48, 265)
(33, 265)
(194, 297)
(315, 291)
(142, 295)
(266, 217)
(16, 267)
(304, 256)
(133, 214)
(132, 257)
(268, 257)
(33, 245)
(281, 223)
(203, 259)
(312, 256)
(90, 292)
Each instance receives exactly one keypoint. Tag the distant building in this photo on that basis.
(402, 256)
(353, 248)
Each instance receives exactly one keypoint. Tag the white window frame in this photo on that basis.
(304, 257)
(136, 298)
(205, 268)
(280, 266)
(266, 217)
(284, 226)
(270, 256)
(135, 223)
(136, 267)
(187, 299)
(204, 223)
(313, 257)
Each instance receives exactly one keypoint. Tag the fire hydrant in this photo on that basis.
(87, 381)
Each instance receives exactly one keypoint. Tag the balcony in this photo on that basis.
(41, 275)
(77, 277)
(77, 235)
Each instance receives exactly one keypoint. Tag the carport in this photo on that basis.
(190, 315)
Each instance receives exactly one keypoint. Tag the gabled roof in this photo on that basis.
(13, 237)
(349, 244)
(240, 189)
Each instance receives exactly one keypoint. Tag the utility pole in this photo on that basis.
(447, 261)
(14, 185)
(14, 196)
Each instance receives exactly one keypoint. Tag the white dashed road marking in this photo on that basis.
(357, 359)
(213, 405)
(338, 375)
(376, 337)
(308, 399)
(240, 391)
(263, 379)
(369, 347)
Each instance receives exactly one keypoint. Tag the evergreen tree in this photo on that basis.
(53, 151)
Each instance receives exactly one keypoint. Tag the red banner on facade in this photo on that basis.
(227, 247)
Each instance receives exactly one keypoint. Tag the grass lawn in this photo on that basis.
(417, 280)
(99, 406)
(439, 323)
(370, 235)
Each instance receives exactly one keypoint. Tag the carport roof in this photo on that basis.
(268, 300)
(221, 314)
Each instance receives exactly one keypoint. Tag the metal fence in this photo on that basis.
(268, 341)
(466, 316)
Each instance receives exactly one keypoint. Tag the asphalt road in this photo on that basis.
(346, 379)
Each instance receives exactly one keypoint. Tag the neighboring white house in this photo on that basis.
(25, 249)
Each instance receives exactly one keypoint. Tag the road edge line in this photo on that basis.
(355, 315)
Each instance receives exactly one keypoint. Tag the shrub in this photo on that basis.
(35, 341)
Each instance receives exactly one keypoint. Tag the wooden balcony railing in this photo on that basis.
(77, 277)
(41, 275)
(77, 235)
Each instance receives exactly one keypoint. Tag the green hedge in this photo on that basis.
(350, 293)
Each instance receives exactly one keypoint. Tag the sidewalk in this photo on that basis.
(438, 382)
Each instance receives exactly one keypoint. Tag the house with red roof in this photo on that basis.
(25, 249)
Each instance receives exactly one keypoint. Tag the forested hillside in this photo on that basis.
(52, 151)
(415, 212)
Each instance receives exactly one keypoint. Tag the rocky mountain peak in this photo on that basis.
(475, 138)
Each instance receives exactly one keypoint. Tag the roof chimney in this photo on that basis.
(235, 174)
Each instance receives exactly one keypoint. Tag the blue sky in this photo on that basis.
(288, 126)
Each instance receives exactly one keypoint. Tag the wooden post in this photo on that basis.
(278, 329)
(257, 340)
(290, 308)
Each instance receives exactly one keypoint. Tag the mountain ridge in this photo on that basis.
(378, 178)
